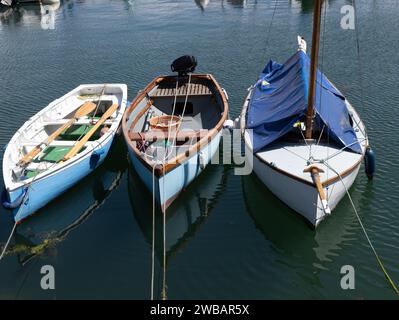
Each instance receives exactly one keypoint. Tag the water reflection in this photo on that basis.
(184, 217)
(289, 233)
(41, 233)
(237, 3)
(31, 14)
(130, 5)
(307, 6)
(202, 4)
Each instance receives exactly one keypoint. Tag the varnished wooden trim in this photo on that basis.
(182, 157)
(299, 179)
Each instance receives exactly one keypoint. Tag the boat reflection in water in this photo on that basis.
(31, 14)
(297, 243)
(184, 217)
(202, 4)
(238, 3)
(42, 232)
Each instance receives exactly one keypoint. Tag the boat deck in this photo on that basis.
(293, 159)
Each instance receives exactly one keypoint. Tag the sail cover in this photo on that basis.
(279, 99)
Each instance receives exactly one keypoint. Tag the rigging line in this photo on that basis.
(294, 153)
(173, 113)
(341, 150)
(357, 125)
(390, 281)
(321, 133)
(98, 103)
(270, 25)
(268, 31)
(183, 112)
(321, 65)
(358, 59)
(304, 139)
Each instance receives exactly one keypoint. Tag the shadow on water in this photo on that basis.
(184, 217)
(50, 225)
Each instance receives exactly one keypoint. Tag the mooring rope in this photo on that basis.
(389, 279)
(8, 241)
(153, 234)
(164, 295)
(29, 185)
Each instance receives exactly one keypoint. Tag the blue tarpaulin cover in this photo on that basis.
(279, 99)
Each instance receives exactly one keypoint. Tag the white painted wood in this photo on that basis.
(33, 131)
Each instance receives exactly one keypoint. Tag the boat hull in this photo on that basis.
(169, 185)
(47, 188)
(302, 197)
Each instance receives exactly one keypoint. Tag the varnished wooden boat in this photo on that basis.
(173, 157)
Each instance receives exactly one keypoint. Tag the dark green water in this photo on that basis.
(227, 236)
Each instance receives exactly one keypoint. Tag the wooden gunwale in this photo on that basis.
(299, 179)
(161, 170)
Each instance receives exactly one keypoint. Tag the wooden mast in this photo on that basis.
(313, 68)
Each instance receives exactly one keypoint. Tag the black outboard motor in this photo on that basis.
(183, 65)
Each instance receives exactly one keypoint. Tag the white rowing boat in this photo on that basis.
(60, 145)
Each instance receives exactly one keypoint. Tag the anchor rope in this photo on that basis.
(385, 272)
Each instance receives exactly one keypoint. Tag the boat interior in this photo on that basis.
(197, 107)
(50, 120)
(290, 154)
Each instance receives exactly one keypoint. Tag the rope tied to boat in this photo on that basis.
(8, 241)
(24, 200)
(153, 234)
(385, 272)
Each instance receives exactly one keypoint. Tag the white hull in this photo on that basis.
(299, 196)
(281, 171)
(24, 193)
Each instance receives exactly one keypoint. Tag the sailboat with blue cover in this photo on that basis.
(305, 139)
